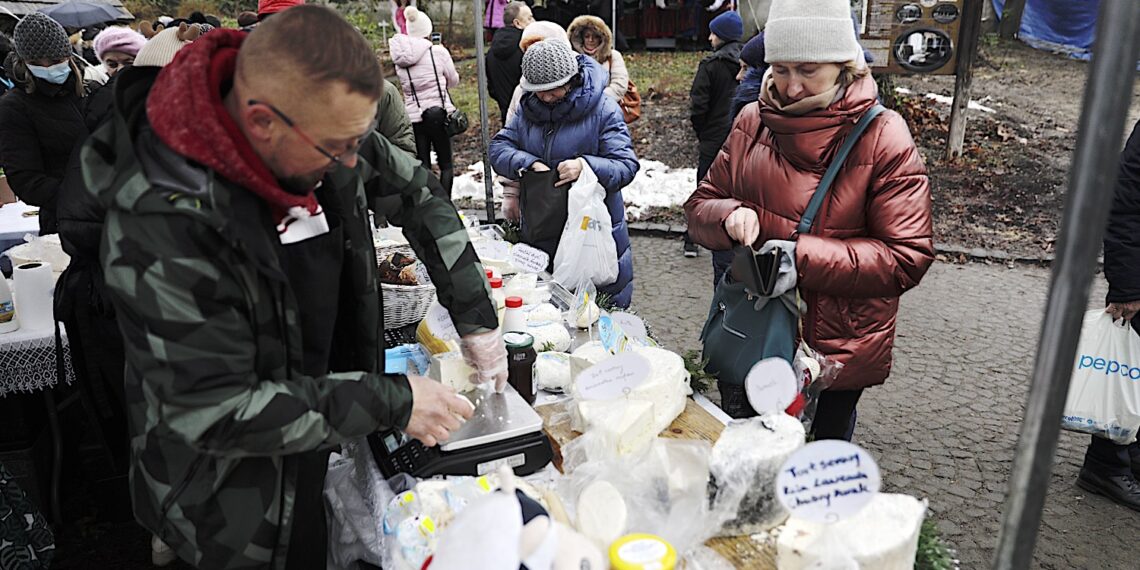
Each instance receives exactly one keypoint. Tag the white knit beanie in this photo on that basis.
(160, 50)
(419, 24)
(810, 31)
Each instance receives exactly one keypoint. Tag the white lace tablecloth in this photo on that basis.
(27, 360)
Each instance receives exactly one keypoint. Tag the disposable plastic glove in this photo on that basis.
(487, 354)
(786, 278)
(511, 208)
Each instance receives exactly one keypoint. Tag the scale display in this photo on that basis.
(910, 36)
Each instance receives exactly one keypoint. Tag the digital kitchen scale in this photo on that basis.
(504, 430)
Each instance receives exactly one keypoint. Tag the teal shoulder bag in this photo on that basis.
(742, 328)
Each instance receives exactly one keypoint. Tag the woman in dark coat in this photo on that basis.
(565, 116)
(41, 119)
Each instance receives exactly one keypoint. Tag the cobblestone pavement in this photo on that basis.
(945, 425)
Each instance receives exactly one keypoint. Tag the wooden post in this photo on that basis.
(964, 77)
(1011, 18)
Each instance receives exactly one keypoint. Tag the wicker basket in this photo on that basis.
(404, 304)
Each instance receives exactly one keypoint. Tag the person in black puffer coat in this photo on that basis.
(504, 66)
(1111, 469)
(81, 300)
(41, 119)
(711, 96)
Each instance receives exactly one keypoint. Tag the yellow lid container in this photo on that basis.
(642, 552)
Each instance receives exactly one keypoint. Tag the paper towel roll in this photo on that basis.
(34, 285)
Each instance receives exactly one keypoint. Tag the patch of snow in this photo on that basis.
(974, 105)
(656, 185)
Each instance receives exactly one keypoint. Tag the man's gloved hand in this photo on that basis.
(487, 354)
(786, 279)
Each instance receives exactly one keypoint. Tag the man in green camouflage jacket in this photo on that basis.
(237, 249)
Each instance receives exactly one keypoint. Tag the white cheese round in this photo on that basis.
(882, 535)
(748, 456)
(602, 514)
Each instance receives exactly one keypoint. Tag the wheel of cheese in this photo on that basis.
(602, 514)
(882, 535)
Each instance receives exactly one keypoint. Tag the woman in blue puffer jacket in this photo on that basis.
(565, 116)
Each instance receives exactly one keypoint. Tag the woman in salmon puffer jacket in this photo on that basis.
(872, 238)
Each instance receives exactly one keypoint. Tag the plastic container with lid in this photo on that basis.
(514, 319)
(642, 552)
(497, 292)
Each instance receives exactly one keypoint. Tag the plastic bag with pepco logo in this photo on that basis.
(1104, 394)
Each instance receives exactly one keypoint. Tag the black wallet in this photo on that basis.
(757, 271)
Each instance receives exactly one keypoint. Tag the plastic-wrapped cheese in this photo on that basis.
(543, 314)
(550, 337)
(665, 387)
(602, 514)
(624, 423)
(883, 535)
(746, 458)
(552, 371)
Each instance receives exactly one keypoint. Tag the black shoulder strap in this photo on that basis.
(833, 169)
(412, 85)
(435, 74)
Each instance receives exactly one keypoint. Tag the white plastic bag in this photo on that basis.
(587, 247)
(1104, 394)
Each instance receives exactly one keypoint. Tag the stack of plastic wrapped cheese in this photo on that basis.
(883, 535)
(633, 420)
(745, 461)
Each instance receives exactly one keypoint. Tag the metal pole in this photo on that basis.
(613, 16)
(964, 75)
(1093, 175)
(480, 57)
(1010, 23)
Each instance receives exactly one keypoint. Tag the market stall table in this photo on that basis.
(16, 222)
(696, 424)
(28, 364)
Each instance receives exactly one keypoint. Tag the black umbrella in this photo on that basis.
(82, 13)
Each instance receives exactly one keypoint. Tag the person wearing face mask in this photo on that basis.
(591, 36)
(42, 117)
(565, 123)
(872, 238)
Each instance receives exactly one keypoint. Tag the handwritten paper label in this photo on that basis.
(771, 385)
(440, 324)
(631, 325)
(613, 377)
(827, 481)
(528, 259)
(492, 249)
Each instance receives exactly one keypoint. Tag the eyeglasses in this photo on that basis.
(337, 158)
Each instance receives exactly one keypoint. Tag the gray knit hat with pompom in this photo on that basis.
(40, 37)
(547, 65)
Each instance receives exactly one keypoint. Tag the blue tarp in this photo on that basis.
(1064, 26)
